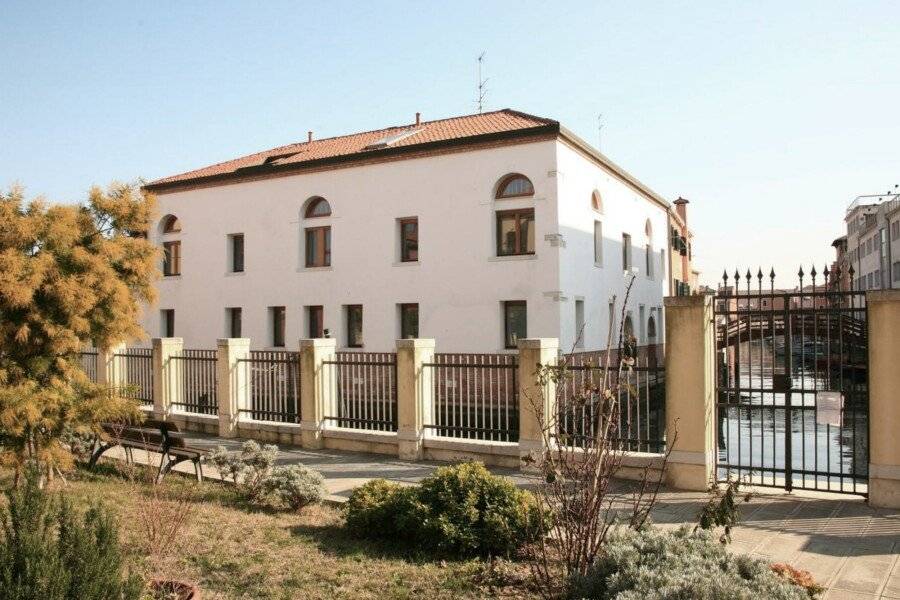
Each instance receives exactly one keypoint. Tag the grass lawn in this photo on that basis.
(235, 551)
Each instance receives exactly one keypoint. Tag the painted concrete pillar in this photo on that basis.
(111, 368)
(690, 391)
(884, 398)
(318, 389)
(536, 401)
(415, 388)
(233, 382)
(167, 376)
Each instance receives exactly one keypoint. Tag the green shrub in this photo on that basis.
(461, 510)
(295, 486)
(656, 565)
(248, 469)
(48, 552)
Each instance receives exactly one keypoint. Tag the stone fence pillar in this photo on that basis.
(233, 382)
(690, 391)
(111, 368)
(414, 395)
(884, 398)
(318, 389)
(536, 402)
(167, 376)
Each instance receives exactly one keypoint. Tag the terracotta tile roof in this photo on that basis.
(369, 142)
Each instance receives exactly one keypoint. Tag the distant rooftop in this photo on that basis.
(874, 199)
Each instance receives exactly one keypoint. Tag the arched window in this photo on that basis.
(171, 248)
(648, 231)
(317, 207)
(317, 239)
(629, 327)
(170, 224)
(514, 186)
(597, 202)
(651, 330)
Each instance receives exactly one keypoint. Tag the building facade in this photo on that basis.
(873, 241)
(475, 230)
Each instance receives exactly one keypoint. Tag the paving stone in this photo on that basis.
(863, 574)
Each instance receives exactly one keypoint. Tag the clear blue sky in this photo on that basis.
(769, 117)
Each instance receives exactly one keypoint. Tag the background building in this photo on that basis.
(474, 230)
(873, 240)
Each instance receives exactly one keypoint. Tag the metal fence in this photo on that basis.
(137, 364)
(274, 377)
(88, 360)
(196, 369)
(366, 390)
(475, 396)
(638, 416)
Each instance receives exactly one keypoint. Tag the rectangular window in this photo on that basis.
(579, 323)
(409, 239)
(276, 314)
(896, 274)
(515, 322)
(315, 320)
(234, 322)
(598, 243)
(515, 232)
(236, 243)
(626, 252)
(171, 258)
(409, 321)
(648, 258)
(642, 325)
(167, 318)
(354, 325)
(318, 246)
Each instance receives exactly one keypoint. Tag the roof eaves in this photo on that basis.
(606, 162)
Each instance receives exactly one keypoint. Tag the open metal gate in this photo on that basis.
(792, 383)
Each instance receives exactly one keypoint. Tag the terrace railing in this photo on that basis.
(137, 366)
(88, 360)
(274, 377)
(197, 372)
(366, 388)
(639, 417)
(475, 396)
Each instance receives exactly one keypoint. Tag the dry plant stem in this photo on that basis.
(577, 477)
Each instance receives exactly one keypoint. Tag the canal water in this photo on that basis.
(828, 432)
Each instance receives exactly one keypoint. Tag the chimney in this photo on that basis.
(309, 137)
(681, 208)
(418, 119)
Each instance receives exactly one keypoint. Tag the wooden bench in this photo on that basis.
(152, 436)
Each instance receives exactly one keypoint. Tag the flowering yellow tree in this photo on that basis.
(70, 276)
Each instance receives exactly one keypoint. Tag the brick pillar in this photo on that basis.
(168, 375)
(536, 403)
(690, 391)
(318, 389)
(884, 391)
(414, 395)
(110, 368)
(233, 383)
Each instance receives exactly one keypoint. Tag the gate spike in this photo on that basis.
(725, 277)
(748, 276)
(772, 274)
(759, 274)
(851, 271)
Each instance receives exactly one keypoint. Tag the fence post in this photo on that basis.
(233, 383)
(110, 368)
(690, 391)
(414, 395)
(884, 409)
(536, 403)
(167, 376)
(318, 389)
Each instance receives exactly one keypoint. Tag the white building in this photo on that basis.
(873, 240)
(473, 230)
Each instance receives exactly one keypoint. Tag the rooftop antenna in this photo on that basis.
(600, 131)
(482, 90)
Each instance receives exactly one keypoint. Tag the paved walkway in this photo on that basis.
(850, 548)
